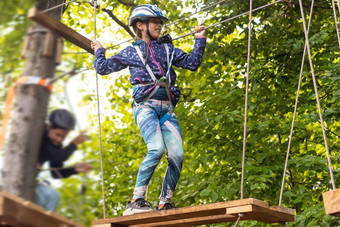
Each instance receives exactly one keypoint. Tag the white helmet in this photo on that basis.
(144, 12)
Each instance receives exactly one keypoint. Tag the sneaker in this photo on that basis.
(167, 206)
(138, 206)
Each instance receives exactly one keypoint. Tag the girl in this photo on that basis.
(155, 96)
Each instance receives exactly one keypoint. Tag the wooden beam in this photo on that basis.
(15, 211)
(252, 209)
(331, 200)
(60, 29)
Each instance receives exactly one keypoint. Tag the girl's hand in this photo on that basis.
(95, 45)
(200, 31)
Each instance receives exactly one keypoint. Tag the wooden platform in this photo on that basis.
(16, 212)
(331, 200)
(252, 209)
(59, 28)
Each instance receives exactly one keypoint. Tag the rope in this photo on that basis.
(336, 21)
(295, 106)
(317, 96)
(57, 6)
(191, 33)
(238, 219)
(71, 73)
(203, 9)
(246, 99)
(98, 108)
(232, 18)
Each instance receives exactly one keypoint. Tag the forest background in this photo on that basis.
(211, 110)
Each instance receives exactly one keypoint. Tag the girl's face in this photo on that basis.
(155, 28)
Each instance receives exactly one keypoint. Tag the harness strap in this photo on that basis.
(156, 82)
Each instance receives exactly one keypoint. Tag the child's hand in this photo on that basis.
(83, 167)
(82, 137)
(200, 31)
(95, 45)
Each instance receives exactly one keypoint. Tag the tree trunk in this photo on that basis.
(29, 114)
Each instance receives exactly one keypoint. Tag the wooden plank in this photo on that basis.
(331, 200)
(206, 214)
(102, 225)
(60, 29)
(180, 213)
(15, 211)
(283, 209)
(59, 51)
(240, 209)
(192, 221)
(49, 45)
(26, 42)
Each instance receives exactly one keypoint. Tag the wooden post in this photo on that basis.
(29, 114)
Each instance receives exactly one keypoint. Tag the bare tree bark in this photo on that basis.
(28, 119)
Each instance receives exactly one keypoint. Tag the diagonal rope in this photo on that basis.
(191, 33)
(246, 98)
(203, 9)
(98, 108)
(232, 18)
(57, 6)
(317, 96)
(295, 106)
(336, 21)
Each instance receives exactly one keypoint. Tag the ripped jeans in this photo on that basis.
(160, 130)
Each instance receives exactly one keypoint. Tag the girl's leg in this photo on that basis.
(148, 123)
(172, 137)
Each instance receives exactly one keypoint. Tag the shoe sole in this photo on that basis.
(134, 211)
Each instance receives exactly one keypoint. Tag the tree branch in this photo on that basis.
(126, 27)
(131, 4)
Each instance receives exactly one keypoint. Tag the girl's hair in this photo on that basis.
(137, 31)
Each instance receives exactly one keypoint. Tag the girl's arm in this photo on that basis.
(105, 65)
(192, 61)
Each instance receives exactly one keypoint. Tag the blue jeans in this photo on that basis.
(160, 129)
(46, 196)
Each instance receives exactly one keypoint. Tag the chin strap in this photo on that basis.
(148, 31)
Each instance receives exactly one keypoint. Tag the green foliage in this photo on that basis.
(211, 111)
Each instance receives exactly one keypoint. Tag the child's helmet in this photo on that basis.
(144, 12)
(62, 118)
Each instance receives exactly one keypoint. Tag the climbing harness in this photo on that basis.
(164, 81)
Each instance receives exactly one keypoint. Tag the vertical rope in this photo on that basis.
(317, 96)
(336, 21)
(98, 109)
(246, 99)
(295, 106)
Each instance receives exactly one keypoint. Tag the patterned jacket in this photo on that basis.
(156, 59)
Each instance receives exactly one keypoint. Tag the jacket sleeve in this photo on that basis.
(106, 66)
(61, 173)
(192, 61)
(57, 162)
